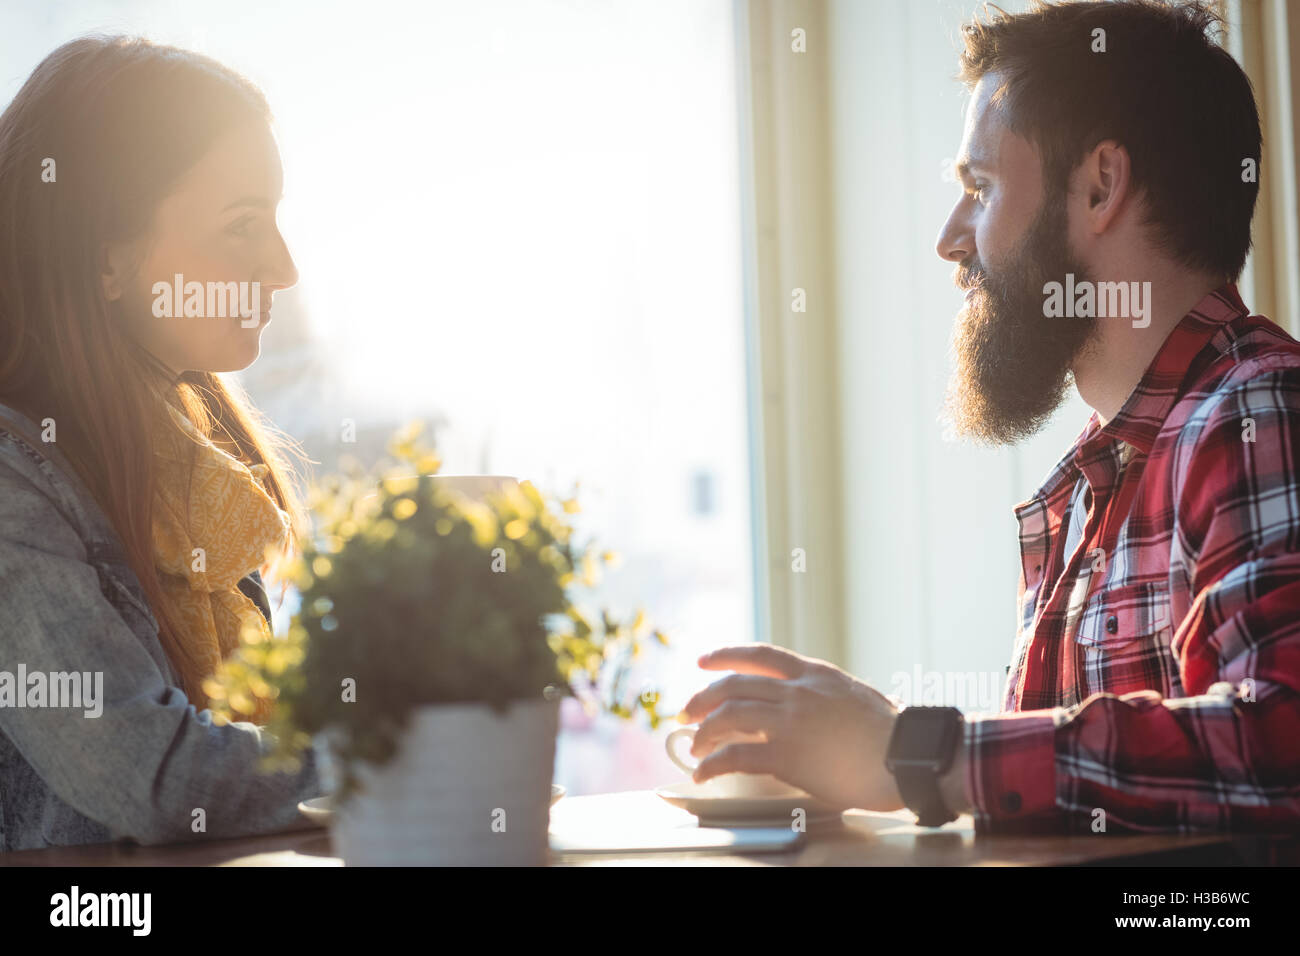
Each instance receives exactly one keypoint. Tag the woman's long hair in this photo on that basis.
(123, 118)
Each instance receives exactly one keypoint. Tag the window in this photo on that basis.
(521, 222)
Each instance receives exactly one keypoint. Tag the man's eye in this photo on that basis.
(240, 226)
(977, 193)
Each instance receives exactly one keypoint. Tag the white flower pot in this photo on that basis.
(467, 787)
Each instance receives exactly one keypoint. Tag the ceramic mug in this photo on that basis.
(731, 785)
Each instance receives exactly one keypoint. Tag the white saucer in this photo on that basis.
(321, 809)
(714, 811)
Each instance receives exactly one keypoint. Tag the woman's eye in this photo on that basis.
(240, 226)
(978, 193)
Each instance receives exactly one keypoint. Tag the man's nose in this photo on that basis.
(956, 240)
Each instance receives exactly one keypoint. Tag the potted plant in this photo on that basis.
(435, 637)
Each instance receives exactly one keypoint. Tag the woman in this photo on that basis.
(138, 495)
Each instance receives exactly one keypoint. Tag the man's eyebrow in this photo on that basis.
(259, 202)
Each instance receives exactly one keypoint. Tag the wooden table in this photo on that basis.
(859, 839)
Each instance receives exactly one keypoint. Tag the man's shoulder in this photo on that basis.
(1253, 368)
(1253, 345)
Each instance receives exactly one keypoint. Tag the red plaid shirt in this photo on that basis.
(1156, 672)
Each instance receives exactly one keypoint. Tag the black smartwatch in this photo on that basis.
(921, 749)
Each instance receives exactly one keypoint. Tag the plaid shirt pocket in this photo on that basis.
(1123, 641)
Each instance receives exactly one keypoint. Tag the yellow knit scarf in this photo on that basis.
(212, 525)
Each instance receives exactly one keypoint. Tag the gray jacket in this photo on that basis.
(149, 760)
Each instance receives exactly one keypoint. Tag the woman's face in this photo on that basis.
(217, 227)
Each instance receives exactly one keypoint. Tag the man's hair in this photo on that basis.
(1163, 88)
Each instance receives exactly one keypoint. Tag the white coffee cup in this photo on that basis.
(732, 785)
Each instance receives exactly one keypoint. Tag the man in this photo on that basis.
(1155, 682)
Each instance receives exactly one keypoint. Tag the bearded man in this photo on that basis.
(1156, 672)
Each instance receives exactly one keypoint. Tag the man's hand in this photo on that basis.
(826, 731)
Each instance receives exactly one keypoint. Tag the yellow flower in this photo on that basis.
(402, 485)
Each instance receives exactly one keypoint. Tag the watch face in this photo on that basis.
(921, 733)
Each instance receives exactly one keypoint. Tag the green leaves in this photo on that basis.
(423, 596)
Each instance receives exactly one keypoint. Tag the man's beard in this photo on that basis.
(1012, 362)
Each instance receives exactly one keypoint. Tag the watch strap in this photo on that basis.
(919, 788)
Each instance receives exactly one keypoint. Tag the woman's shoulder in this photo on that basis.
(24, 448)
(19, 436)
(39, 493)
(49, 518)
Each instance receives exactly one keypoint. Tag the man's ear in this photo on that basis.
(1107, 182)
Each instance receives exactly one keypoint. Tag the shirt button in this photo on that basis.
(1112, 624)
(1011, 802)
